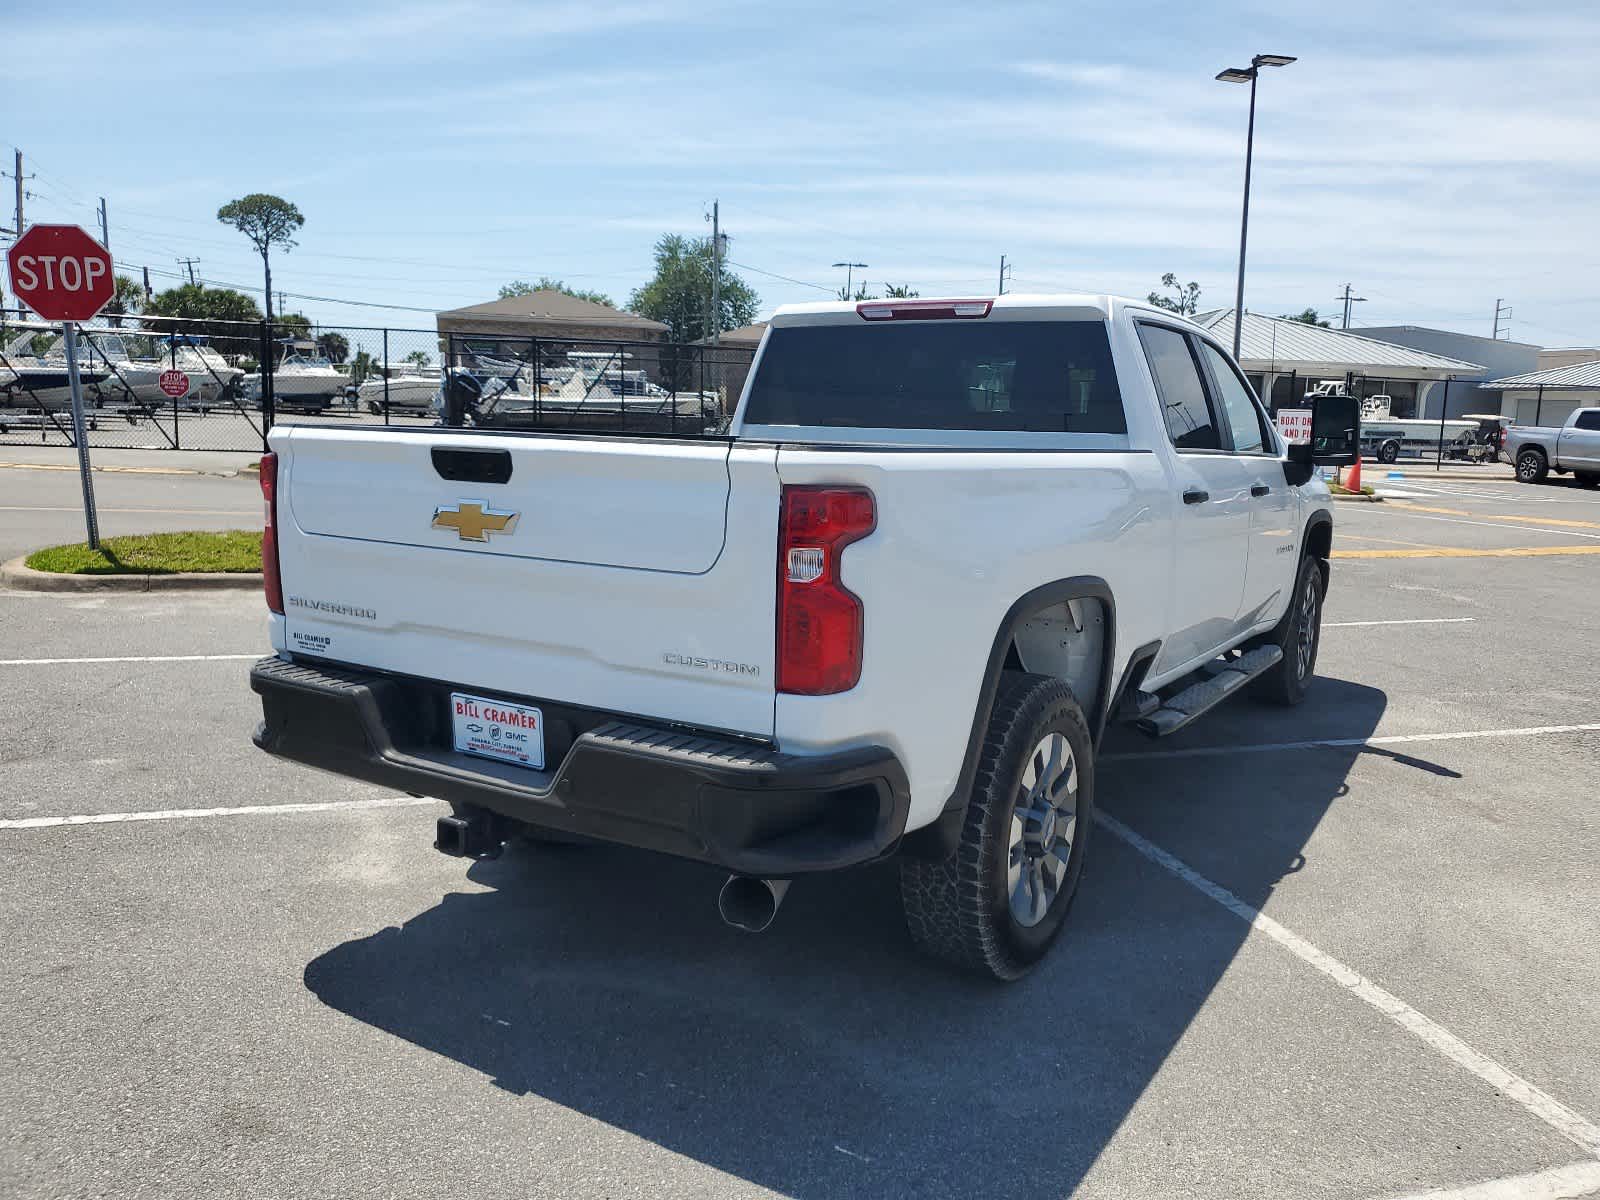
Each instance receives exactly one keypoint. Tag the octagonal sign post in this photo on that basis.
(64, 275)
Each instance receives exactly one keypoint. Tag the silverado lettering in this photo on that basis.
(343, 610)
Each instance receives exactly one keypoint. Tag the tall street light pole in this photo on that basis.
(1247, 75)
(849, 275)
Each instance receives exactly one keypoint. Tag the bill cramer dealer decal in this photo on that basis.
(519, 718)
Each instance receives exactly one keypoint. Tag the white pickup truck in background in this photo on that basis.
(1537, 450)
(890, 612)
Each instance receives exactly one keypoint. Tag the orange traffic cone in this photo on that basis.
(1353, 480)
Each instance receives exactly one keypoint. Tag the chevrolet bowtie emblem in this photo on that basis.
(474, 521)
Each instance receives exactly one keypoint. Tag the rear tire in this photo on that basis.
(1532, 466)
(999, 901)
(1298, 635)
(1389, 452)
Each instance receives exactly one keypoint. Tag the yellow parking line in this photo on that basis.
(1407, 506)
(1465, 552)
(1367, 537)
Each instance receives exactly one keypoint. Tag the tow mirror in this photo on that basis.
(1335, 433)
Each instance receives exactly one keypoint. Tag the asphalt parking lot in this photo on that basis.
(1346, 950)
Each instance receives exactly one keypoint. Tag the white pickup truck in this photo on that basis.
(890, 611)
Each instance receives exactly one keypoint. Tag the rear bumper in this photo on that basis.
(717, 800)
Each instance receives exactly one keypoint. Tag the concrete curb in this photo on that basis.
(18, 576)
(1357, 499)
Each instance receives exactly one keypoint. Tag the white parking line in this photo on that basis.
(1510, 492)
(1404, 621)
(1558, 1183)
(1393, 739)
(183, 814)
(149, 658)
(1551, 1111)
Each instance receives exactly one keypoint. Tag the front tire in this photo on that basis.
(1389, 452)
(1298, 635)
(1532, 466)
(999, 901)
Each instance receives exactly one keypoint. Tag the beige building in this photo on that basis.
(1549, 360)
(547, 315)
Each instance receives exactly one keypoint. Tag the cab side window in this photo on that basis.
(1190, 422)
(1588, 420)
(1240, 411)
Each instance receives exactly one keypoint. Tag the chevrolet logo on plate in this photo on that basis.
(474, 521)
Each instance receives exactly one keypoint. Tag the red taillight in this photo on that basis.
(923, 310)
(819, 619)
(269, 533)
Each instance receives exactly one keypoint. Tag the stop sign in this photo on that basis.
(61, 272)
(174, 383)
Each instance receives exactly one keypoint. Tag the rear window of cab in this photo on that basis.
(1025, 376)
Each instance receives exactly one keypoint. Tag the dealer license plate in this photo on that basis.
(494, 729)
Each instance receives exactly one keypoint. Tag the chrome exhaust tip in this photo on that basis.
(750, 904)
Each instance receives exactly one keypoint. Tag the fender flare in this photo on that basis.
(938, 838)
(1319, 519)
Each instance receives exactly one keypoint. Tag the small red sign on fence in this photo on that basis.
(175, 383)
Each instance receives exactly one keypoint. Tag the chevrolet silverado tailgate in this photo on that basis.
(631, 575)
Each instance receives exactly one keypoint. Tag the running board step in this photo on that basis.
(1200, 698)
(1139, 703)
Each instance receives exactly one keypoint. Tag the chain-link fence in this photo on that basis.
(561, 384)
(148, 383)
(167, 383)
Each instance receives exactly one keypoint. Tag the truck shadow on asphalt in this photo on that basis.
(825, 1058)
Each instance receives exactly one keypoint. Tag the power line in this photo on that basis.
(786, 278)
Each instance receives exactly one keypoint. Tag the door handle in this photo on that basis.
(1260, 489)
(1196, 496)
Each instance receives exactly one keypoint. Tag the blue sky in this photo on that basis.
(1437, 155)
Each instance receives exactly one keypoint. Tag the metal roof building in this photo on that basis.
(550, 314)
(1548, 397)
(1284, 358)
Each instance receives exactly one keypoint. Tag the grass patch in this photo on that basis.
(236, 551)
(1338, 489)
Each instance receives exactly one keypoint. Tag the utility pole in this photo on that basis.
(105, 228)
(1004, 271)
(716, 274)
(1348, 301)
(189, 264)
(18, 177)
(1502, 309)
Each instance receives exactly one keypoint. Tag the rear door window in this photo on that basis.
(1588, 420)
(1031, 376)
(1190, 422)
